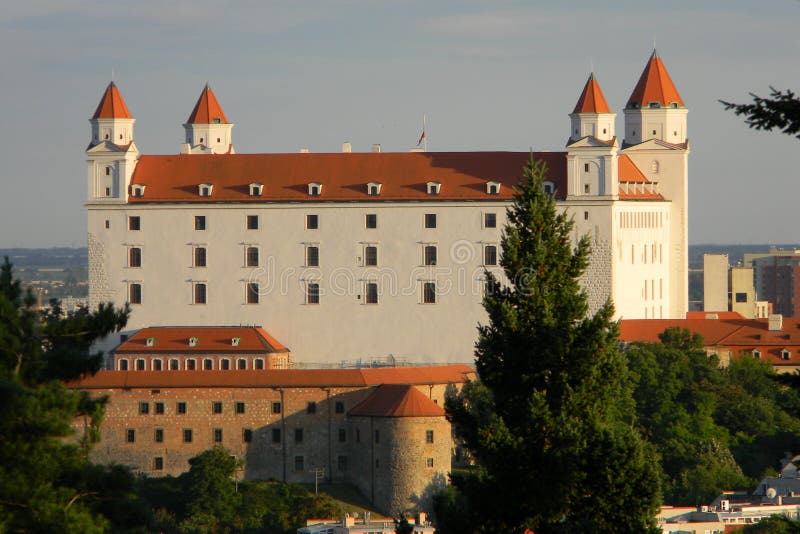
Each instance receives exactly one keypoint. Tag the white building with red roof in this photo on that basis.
(364, 255)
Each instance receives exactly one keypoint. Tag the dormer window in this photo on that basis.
(256, 189)
(314, 189)
(151, 342)
(549, 187)
(786, 354)
(756, 354)
(492, 188)
(193, 341)
(655, 105)
(373, 189)
(434, 188)
(137, 190)
(217, 120)
(204, 190)
(235, 341)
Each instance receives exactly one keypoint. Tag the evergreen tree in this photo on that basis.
(780, 111)
(550, 423)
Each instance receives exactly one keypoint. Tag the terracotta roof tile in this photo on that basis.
(112, 105)
(440, 374)
(209, 339)
(630, 173)
(592, 99)
(397, 400)
(344, 176)
(207, 110)
(654, 85)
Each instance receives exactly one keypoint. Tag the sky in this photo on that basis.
(500, 75)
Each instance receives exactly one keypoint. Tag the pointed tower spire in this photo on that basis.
(207, 110)
(592, 116)
(655, 87)
(592, 99)
(112, 105)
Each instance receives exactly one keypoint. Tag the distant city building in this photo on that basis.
(715, 282)
(777, 280)
(361, 255)
(727, 288)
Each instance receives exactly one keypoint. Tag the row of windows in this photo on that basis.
(299, 463)
(645, 219)
(370, 258)
(247, 435)
(428, 295)
(239, 407)
(189, 364)
(252, 222)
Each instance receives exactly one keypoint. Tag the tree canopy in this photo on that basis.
(780, 111)
(549, 423)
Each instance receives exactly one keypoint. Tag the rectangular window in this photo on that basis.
(429, 255)
(134, 222)
(339, 407)
(199, 222)
(217, 435)
(247, 435)
(490, 220)
(191, 365)
(429, 462)
(130, 435)
(135, 257)
(312, 222)
(180, 408)
(342, 435)
(490, 255)
(252, 257)
(298, 435)
(371, 220)
(276, 435)
(252, 222)
(200, 293)
(312, 294)
(187, 435)
(370, 255)
(240, 407)
(312, 256)
(158, 463)
(135, 293)
(144, 408)
(311, 407)
(216, 407)
(251, 296)
(299, 463)
(371, 293)
(741, 297)
(159, 408)
(429, 436)
(430, 220)
(200, 256)
(341, 463)
(158, 435)
(429, 293)
(276, 407)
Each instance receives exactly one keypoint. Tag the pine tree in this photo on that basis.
(781, 111)
(549, 423)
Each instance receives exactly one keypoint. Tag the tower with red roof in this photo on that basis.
(208, 130)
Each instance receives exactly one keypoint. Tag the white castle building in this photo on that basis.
(347, 256)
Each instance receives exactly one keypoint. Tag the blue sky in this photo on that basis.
(498, 75)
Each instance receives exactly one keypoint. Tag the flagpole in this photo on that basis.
(425, 133)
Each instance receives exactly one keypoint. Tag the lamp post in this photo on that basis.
(319, 472)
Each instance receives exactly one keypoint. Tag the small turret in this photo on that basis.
(207, 129)
(592, 116)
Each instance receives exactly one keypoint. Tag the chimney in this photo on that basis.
(347, 147)
(376, 148)
(775, 322)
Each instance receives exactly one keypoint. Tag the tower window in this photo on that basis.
(199, 222)
(371, 256)
(135, 257)
(252, 222)
(108, 191)
(585, 167)
(654, 132)
(586, 189)
(108, 171)
(312, 222)
(135, 293)
(429, 255)
(251, 294)
(371, 220)
(371, 293)
(585, 215)
(252, 257)
(430, 220)
(134, 222)
(312, 256)
(312, 294)
(200, 257)
(490, 220)
(200, 293)
(429, 293)
(490, 255)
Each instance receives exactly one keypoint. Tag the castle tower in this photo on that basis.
(207, 129)
(656, 141)
(592, 147)
(655, 109)
(112, 154)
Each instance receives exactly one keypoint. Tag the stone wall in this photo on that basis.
(99, 290)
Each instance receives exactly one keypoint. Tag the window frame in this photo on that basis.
(430, 254)
(429, 292)
(134, 223)
(312, 221)
(199, 256)
(490, 219)
(251, 256)
(199, 293)
(135, 257)
(490, 256)
(312, 293)
(135, 293)
(370, 255)
(371, 292)
(312, 255)
(251, 293)
(200, 223)
(371, 221)
(252, 222)
(430, 220)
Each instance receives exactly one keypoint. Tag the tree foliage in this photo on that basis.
(46, 481)
(780, 111)
(550, 421)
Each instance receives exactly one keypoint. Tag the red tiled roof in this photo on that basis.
(344, 176)
(207, 110)
(655, 85)
(397, 400)
(209, 339)
(591, 99)
(112, 105)
(735, 334)
(630, 173)
(714, 315)
(440, 374)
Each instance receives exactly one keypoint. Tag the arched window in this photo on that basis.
(208, 364)
(241, 363)
(123, 365)
(225, 364)
(140, 365)
(174, 365)
(259, 364)
(157, 365)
